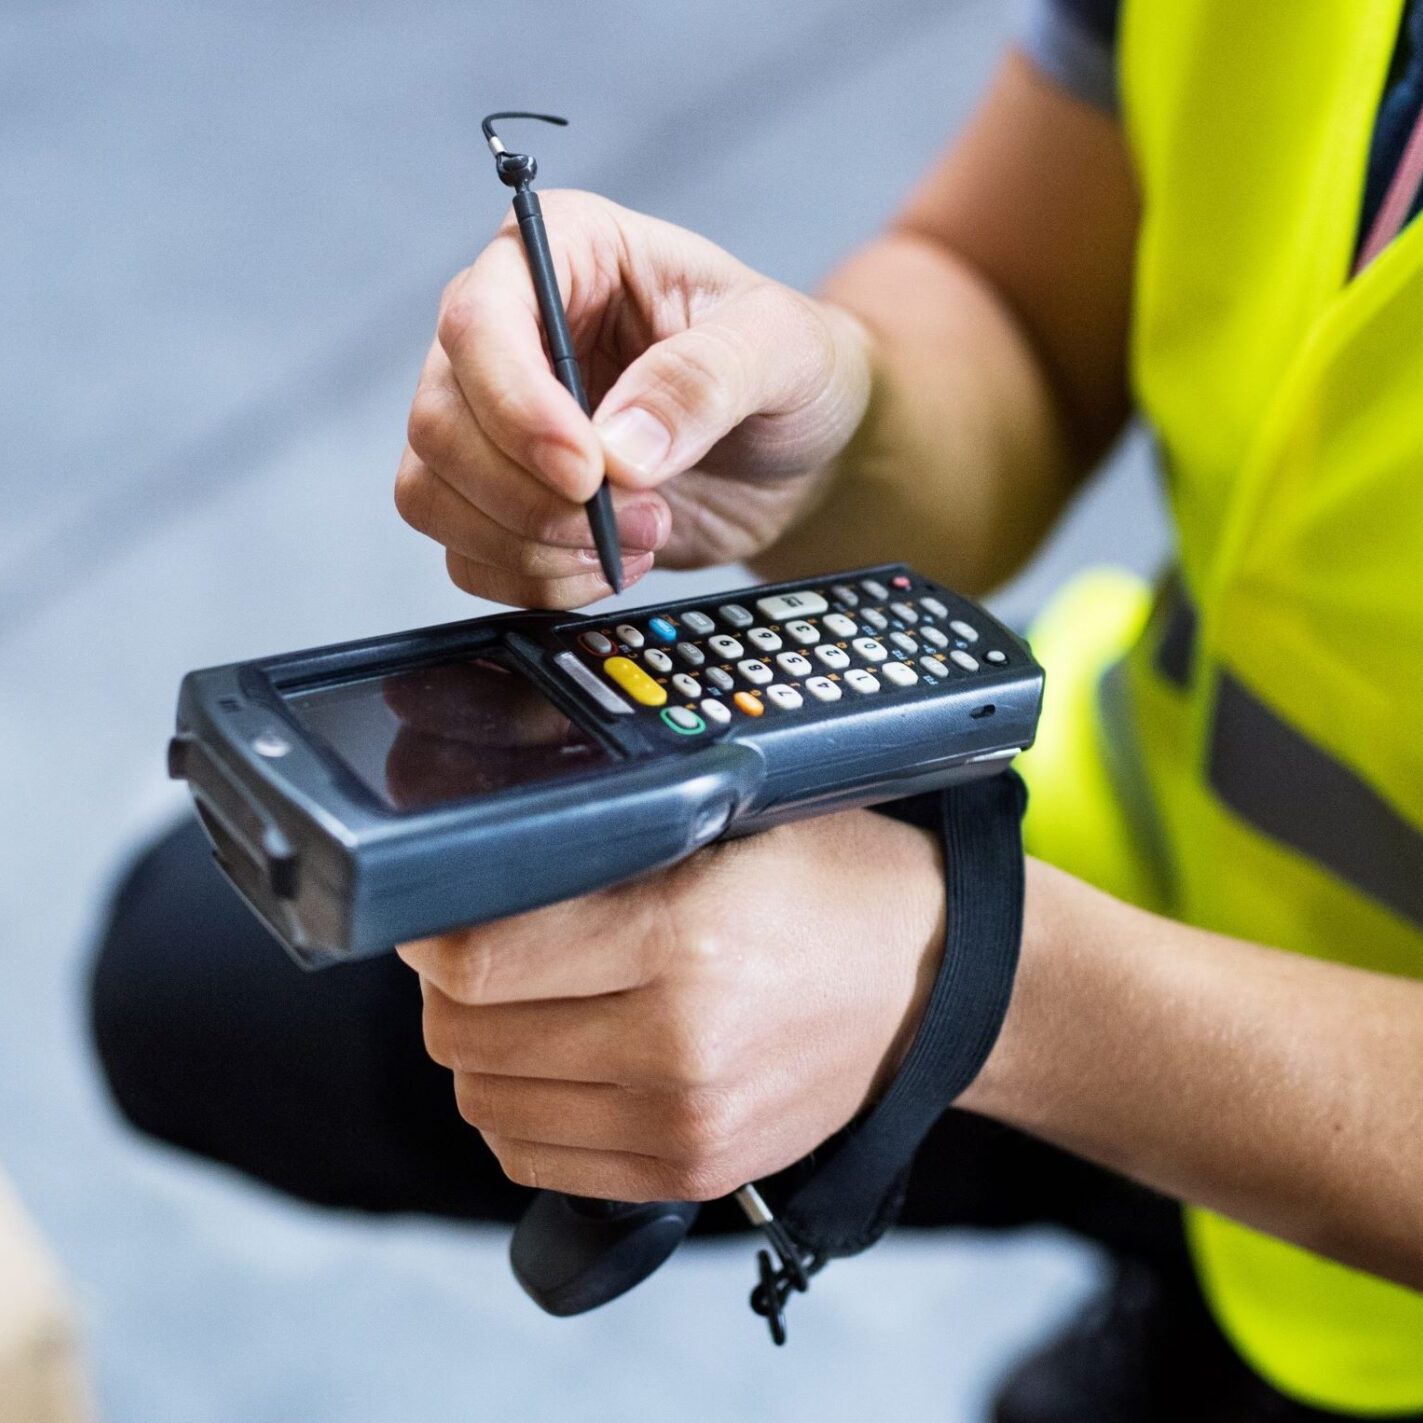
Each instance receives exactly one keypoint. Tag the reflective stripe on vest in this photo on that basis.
(1279, 746)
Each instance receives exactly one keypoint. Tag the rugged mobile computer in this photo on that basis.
(371, 792)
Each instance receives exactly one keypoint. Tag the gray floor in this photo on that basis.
(225, 231)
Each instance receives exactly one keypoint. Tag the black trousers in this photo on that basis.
(318, 1084)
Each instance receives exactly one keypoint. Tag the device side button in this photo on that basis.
(635, 682)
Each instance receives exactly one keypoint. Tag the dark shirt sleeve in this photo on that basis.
(1073, 42)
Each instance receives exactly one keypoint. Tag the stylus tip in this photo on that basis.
(605, 537)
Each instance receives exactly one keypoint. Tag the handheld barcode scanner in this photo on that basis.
(365, 794)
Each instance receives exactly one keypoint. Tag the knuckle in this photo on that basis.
(701, 1125)
(475, 1101)
(689, 1054)
(429, 428)
(458, 316)
(470, 577)
(703, 1180)
(414, 489)
(517, 1159)
(439, 1027)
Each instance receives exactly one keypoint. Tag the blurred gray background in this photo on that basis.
(225, 230)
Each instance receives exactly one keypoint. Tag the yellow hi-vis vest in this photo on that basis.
(1253, 762)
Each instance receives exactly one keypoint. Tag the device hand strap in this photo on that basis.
(841, 1200)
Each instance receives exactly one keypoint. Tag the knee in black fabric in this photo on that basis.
(318, 1084)
(145, 1024)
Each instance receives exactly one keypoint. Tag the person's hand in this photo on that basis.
(676, 1037)
(696, 366)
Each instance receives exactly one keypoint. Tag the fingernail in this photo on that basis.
(641, 526)
(636, 438)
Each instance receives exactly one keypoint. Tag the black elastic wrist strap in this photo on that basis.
(857, 1181)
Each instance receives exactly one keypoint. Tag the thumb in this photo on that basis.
(757, 353)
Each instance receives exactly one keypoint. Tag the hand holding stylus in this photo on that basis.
(719, 400)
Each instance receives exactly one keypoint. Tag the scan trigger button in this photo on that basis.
(635, 682)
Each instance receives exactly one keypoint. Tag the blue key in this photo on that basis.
(661, 628)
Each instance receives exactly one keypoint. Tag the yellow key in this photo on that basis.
(635, 682)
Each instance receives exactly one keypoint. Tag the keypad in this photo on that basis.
(821, 643)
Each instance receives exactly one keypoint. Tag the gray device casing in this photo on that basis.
(336, 874)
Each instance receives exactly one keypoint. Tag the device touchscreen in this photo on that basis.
(446, 731)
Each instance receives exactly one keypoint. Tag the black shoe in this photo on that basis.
(1146, 1350)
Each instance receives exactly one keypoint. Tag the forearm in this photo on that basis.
(1282, 1091)
(997, 309)
(960, 464)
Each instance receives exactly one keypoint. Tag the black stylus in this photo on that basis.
(517, 171)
